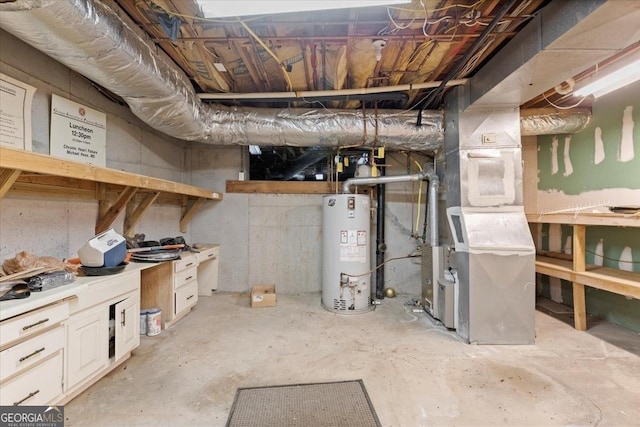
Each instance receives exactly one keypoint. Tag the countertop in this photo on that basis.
(36, 300)
(11, 308)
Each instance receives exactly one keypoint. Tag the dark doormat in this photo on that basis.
(338, 404)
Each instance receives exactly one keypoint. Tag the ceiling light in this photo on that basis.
(226, 8)
(615, 80)
(220, 66)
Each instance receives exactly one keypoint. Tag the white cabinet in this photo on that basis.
(32, 322)
(22, 356)
(103, 328)
(31, 360)
(127, 326)
(186, 297)
(50, 354)
(208, 260)
(87, 345)
(40, 385)
(172, 287)
(185, 284)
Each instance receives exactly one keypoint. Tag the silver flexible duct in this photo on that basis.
(549, 122)
(90, 38)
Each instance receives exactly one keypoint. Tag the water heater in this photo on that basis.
(346, 255)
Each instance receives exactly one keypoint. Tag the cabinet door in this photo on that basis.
(127, 326)
(87, 344)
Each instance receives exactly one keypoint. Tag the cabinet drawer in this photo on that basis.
(185, 262)
(185, 277)
(208, 254)
(30, 352)
(32, 322)
(186, 296)
(40, 385)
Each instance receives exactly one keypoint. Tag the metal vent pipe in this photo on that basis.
(428, 173)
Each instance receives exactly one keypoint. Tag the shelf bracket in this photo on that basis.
(7, 178)
(188, 212)
(105, 221)
(133, 214)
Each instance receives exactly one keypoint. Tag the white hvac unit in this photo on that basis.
(346, 264)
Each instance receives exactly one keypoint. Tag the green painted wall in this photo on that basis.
(598, 170)
(587, 174)
(613, 307)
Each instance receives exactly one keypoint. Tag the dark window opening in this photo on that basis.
(305, 163)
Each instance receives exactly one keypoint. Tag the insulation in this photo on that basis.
(550, 122)
(91, 39)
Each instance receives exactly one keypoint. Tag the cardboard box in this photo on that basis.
(263, 296)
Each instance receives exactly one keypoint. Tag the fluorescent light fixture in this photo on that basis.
(227, 8)
(613, 81)
(255, 150)
(220, 66)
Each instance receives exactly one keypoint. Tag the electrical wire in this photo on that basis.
(451, 6)
(550, 255)
(561, 107)
(611, 259)
(266, 48)
(380, 265)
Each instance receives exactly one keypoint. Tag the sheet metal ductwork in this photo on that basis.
(90, 38)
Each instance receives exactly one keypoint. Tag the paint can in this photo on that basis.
(143, 322)
(154, 321)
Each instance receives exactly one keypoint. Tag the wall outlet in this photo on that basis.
(241, 176)
(489, 138)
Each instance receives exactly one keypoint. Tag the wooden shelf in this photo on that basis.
(36, 174)
(574, 268)
(604, 219)
(608, 279)
(282, 187)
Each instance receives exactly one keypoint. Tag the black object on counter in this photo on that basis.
(19, 291)
(103, 271)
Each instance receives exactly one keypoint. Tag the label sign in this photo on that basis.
(78, 132)
(353, 245)
(15, 113)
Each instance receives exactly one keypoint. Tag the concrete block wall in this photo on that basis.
(267, 238)
(263, 238)
(58, 226)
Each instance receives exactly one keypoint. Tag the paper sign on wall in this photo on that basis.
(15, 113)
(77, 132)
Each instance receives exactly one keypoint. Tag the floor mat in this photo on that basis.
(339, 404)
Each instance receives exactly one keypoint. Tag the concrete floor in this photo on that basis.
(416, 372)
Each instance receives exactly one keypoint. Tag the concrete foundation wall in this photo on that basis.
(263, 238)
(276, 238)
(59, 226)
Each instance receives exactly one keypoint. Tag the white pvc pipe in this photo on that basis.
(325, 93)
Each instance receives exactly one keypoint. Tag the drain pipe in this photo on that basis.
(429, 174)
(381, 246)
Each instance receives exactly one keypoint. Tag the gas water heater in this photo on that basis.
(346, 265)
